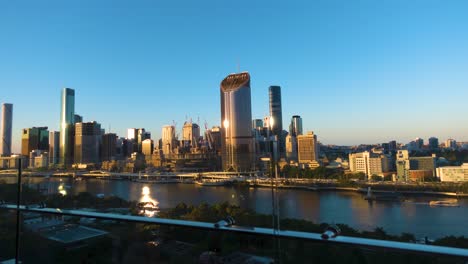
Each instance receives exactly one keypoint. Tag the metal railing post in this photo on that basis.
(18, 212)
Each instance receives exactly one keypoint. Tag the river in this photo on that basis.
(412, 216)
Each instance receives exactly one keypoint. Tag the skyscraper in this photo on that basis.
(168, 139)
(308, 148)
(87, 141)
(35, 138)
(275, 109)
(295, 128)
(236, 117)
(67, 121)
(5, 132)
(109, 147)
(433, 143)
(54, 149)
(191, 133)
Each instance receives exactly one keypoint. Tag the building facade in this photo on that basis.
(369, 163)
(35, 138)
(308, 148)
(236, 116)
(295, 128)
(169, 141)
(87, 142)
(5, 130)
(414, 168)
(54, 147)
(109, 147)
(453, 173)
(67, 122)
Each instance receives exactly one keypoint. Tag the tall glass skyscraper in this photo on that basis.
(5, 133)
(236, 118)
(275, 109)
(295, 128)
(67, 121)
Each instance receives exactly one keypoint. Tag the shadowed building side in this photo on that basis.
(236, 118)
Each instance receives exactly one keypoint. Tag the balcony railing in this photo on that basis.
(220, 242)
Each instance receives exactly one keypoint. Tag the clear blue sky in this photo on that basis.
(357, 71)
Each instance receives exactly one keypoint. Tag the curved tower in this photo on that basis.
(236, 119)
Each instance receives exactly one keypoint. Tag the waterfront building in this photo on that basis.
(453, 173)
(414, 168)
(87, 142)
(34, 138)
(236, 116)
(54, 147)
(41, 160)
(5, 130)
(109, 147)
(308, 149)
(295, 128)
(67, 121)
(369, 163)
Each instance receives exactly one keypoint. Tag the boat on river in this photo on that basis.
(212, 182)
(448, 203)
(384, 197)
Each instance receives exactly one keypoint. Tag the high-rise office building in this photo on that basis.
(35, 138)
(87, 142)
(137, 135)
(257, 124)
(291, 148)
(67, 121)
(132, 133)
(109, 147)
(5, 132)
(308, 148)
(236, 117)
(147, 147)
(451, 143)
(433, 143)
(276, 113)
(191, 133)
(54, 147)
(295, 128)
(168, 139)
(78, 119)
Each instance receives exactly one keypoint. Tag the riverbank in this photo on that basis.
(363, 189)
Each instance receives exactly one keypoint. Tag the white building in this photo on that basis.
(453, 173)
(369, 163)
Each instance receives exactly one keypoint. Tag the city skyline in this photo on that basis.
(398, 68)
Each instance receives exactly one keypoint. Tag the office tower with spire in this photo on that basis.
(5, 132)
(236, 116)
(67, 121)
